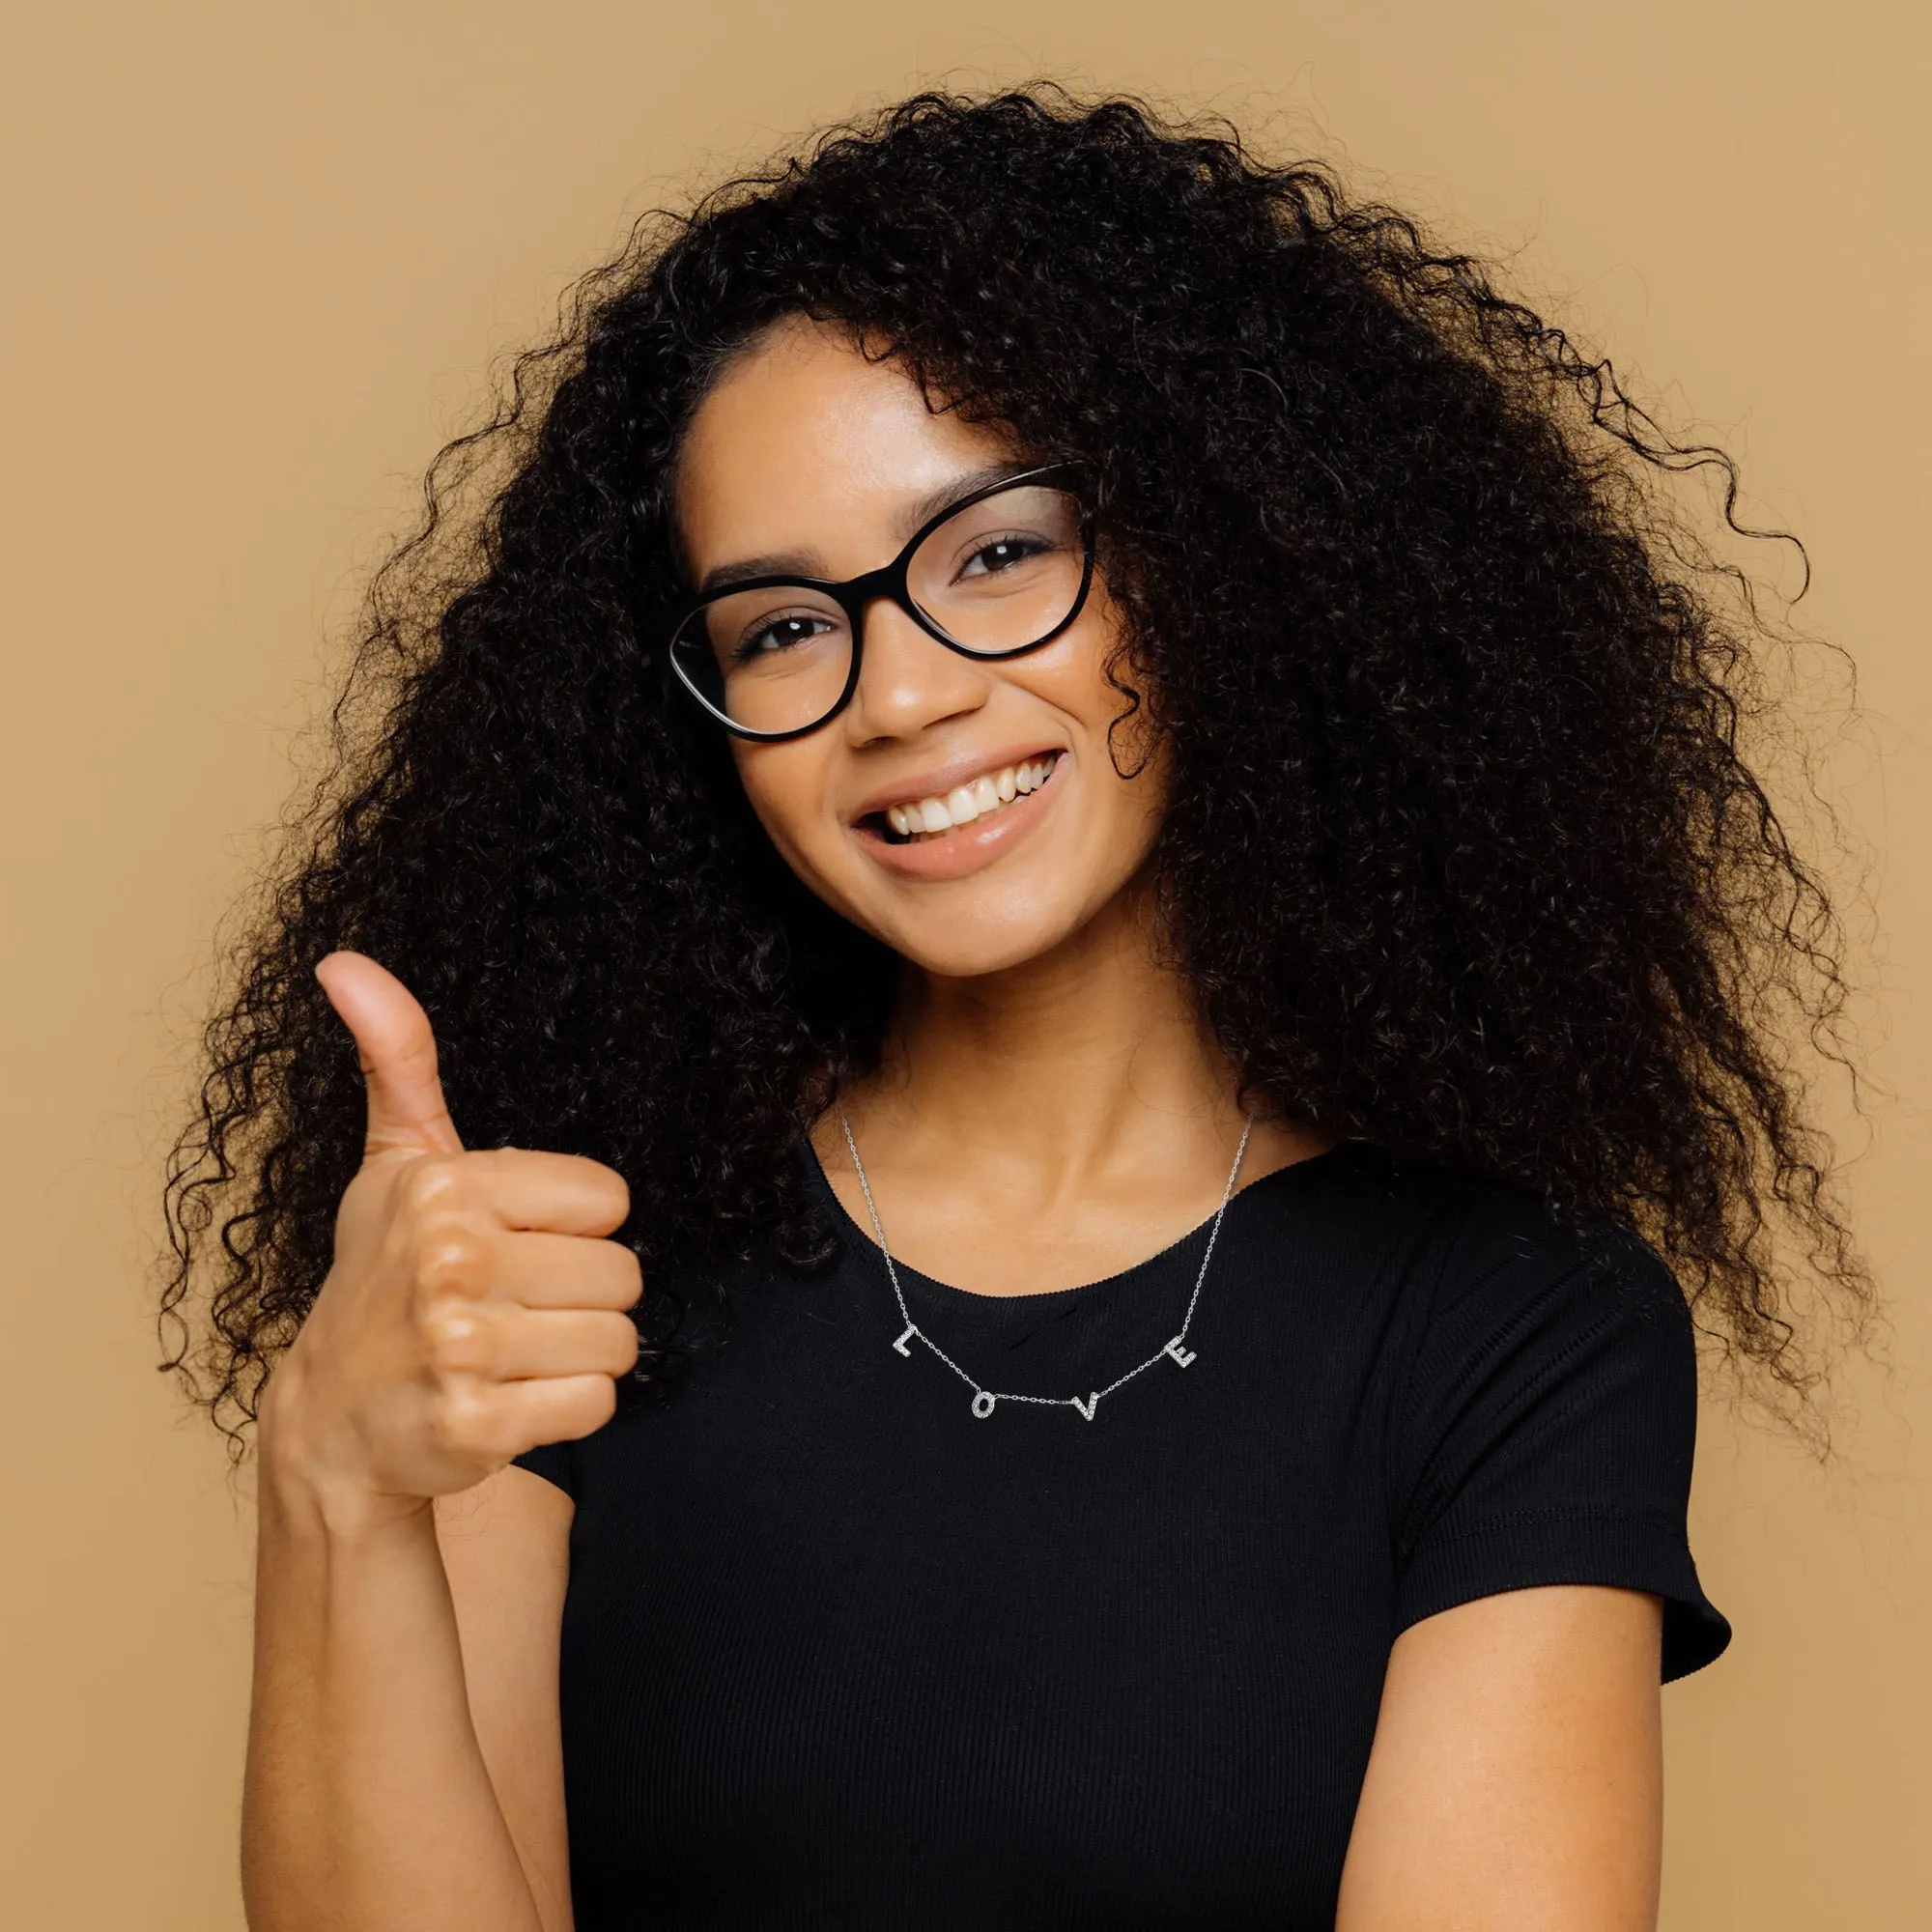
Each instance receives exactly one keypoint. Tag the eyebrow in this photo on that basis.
(912, 517)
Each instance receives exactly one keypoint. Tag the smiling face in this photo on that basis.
(965, 810)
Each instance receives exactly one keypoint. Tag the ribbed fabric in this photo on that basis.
(837, 1653)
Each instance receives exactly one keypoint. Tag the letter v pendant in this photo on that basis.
(986, 1400)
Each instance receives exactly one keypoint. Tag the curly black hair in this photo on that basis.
(1462, 853)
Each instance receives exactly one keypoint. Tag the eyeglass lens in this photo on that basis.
(995, 577)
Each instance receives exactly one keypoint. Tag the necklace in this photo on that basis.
(985, 1399)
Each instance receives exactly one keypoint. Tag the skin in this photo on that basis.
(1048, 1111)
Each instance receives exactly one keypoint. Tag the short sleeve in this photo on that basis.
(551, 1462)
(1546, 1431)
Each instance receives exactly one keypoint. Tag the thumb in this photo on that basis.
(397, 1051)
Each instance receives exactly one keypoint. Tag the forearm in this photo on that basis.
(367, 1805)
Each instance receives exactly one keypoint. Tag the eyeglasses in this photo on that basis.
(1000, 573)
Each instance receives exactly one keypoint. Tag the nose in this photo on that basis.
(909, 680)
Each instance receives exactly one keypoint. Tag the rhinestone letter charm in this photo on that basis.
(985, 1401)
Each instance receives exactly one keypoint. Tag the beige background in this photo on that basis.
(256, 263)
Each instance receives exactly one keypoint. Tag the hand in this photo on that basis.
(471, 1311)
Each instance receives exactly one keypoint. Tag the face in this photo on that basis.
(805, 452)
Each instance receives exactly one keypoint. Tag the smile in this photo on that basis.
(917, 819)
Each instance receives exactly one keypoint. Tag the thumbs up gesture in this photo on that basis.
(473, 1309)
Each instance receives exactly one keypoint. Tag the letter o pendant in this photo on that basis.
(982, 1404)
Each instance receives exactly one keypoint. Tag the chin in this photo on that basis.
(971, 944)
(1030, 905)
(978, 957)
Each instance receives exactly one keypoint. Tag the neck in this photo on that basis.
(1075, 1067)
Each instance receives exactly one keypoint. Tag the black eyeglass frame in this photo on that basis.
(889, 581)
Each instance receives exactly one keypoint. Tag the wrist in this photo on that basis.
(312, 1506)
(303, 1489)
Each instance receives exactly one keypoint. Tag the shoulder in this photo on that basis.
(1533, 1300)
(1542, 1423)
(1508, 1315)
(1564, 1283)
(1456, 1240)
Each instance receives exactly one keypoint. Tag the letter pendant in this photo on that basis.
(900, 1344)
(1088, 1407)
(982, 1404)
(1181, 1356)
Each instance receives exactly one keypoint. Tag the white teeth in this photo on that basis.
(973, 800)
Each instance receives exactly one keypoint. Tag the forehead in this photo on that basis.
(804, 441)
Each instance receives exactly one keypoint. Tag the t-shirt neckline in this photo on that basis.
(1185, 1249)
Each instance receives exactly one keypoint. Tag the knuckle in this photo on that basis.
(607, 1344)
(630, 1273)
(457, 1420)
(625, 1346)
(456, 1338)
(612, 1278)
(554, 1413)
(450, 1263)
(603, 1187)
(470, 1420)
(432, 1185)
(594, 1408)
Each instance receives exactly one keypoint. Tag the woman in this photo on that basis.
(1091, 950)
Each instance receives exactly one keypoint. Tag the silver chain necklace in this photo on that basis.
(985, 1399)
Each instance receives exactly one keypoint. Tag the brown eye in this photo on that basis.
(1003, 554)
(779, 633)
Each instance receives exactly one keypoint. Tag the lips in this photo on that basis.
(957, 848)
(937, 782)
(934, 815)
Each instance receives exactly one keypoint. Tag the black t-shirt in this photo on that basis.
(839, 1653)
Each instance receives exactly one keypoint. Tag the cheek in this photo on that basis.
(786, 786)
(1091, 677)
(1097, 686)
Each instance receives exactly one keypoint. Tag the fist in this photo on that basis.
(474, 1307)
